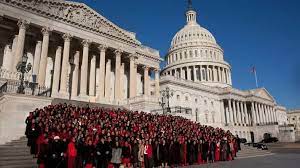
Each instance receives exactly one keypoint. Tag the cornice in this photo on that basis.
(77, 14)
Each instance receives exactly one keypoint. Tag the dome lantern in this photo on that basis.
(191, 14)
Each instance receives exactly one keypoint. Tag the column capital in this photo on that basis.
(132, 57)
(23, 24)
(102, 47)
(85, 43)
(67, 37)
(145, 67)
(46, 30)
(118, 52)
(156, 69)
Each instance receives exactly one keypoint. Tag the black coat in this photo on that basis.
(163, 152)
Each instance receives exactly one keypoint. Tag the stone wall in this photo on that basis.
(286, 134)
(13, 111)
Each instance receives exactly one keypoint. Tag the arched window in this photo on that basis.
(185, 54)
(191, 54)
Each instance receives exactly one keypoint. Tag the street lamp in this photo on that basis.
(162, 104)
(23, 68)
(72, 65)
(167, 94)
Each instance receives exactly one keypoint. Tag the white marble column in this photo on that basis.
(271, 114)
(201, 77)
(242, 113)
(266, 113)
(234, 112)
(246, 113)
(117, 74)
(122, 71)
(230, 111)
(275, 114)
(254, 118)
(188, 73)
(75, 81)
(229, 77)
(157, 88)
(195, 74)
(23, 24)
(84, 69)
(215, 74)
(56, 74)
(92, 76)
(261, 114)
(132, 76)
(101, 77)
(257, 113)
(7, 58)
(107, 80)
(271, 117)
(65, 65)
(13, 53)
(222, 110)
(146, 81)
(44, 55)
(219, 74)
(207, 74)
(37, 56)
(239, 113)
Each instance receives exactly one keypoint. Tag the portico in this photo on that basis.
(91, 59)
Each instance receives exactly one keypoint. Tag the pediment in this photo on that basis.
(77, 14)
(263, 93)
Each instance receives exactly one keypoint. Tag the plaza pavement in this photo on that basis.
(279, 155)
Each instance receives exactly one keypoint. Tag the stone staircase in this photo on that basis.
(16, 154)
(249, 152)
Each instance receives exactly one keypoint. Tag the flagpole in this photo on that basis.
(255, 79)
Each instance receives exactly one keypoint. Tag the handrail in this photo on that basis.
(3, 88)
(45, 93)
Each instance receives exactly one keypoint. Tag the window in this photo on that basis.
(178, 97)
(206, 118)
(196, 53)
(205, 102)
(213, 118)
(185, 54)
(186, 98)
(196, 100)
(191, 54)
(212, 103)
(180, 56)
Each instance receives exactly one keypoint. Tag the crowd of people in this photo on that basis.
(66, 136)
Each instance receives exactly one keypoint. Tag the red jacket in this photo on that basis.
(72, 151)
(149, 151)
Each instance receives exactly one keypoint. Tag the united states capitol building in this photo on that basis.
(78, 55)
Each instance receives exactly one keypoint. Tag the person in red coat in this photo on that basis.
(148, 152)
(72, 153)
(217, 152)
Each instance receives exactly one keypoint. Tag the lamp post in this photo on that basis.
(23, 68)
(167, 94)
(72, 65)
(162, 104)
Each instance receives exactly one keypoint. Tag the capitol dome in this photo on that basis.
(195, 55)
(192, 34)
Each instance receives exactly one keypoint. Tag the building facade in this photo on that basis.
(77, 53)
(200, 80)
